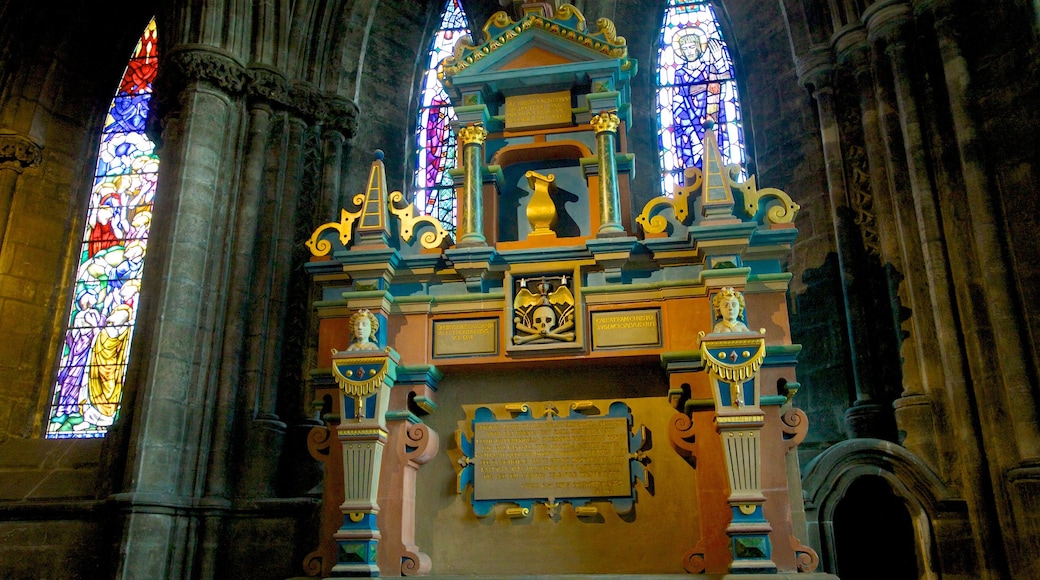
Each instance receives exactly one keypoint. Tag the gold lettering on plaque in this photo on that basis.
(559, 459)
(465, 337)
(626, 328)
(540, 110)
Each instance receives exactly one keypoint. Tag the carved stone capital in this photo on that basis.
(187, 64)
(606, 122)
(266, 84)
(17, 152)
(815, 70)
(204, 64)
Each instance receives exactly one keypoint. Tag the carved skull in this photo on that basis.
(544, 319)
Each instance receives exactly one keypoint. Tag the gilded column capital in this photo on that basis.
(475, 133)
(17, 152)
(606, 121)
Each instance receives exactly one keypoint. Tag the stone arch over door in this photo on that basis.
(928, 500)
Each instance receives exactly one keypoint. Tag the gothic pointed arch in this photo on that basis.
(696, 88)
(87, 389)
(435, 143)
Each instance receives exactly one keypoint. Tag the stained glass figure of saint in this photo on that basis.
(695, 84)
(92, 366)
(434, 140)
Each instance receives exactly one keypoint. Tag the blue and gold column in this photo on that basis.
(732, 361)
(364, 379)
(471, 205)
(606, 126)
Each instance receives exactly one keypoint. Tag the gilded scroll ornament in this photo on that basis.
(782, 213)
(651, 219)
(345, 226)
(410, 222)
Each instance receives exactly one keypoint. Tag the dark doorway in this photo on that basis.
(873, 533)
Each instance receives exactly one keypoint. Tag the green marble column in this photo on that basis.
(606, 125)
(471, 210)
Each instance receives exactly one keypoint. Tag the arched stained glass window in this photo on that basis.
(435, 143)
(695, 84)
(96, 349)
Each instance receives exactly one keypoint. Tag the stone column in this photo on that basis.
(17, 153)
(606, 126)
(471, 205)
(921, 362)
(866, 417)
(183, 292)
(218, 485)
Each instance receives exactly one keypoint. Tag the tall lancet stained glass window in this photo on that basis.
(695, 84)
(96, 349)
(435, 144)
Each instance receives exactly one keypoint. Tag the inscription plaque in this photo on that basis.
(465, 337)
(540, 110)
(626, 328)
(551, 459)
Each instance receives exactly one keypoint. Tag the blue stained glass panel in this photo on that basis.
(695, 84)
(435, 142)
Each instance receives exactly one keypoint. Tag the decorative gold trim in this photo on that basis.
(500, 30)
(733, 372)
(747, 508)
(517, 512)
(725, 419)
(778, 214)
(475, 133)
(586, 511)
(406, 216)
(345, 227)
(348, 432)
(606, 121)
(359, 390)
(356, 516)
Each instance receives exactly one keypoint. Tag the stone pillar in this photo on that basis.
(867, 417)
(471, 205)
(218, 477)
(920, 357)
(183, 292)
(606, 126)
(17, 153)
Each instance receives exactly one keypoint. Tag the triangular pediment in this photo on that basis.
(532, 48)
(536, 41)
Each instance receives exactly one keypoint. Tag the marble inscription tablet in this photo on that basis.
(558, 459)
(539, 110)
(626, 328)
(472, 337)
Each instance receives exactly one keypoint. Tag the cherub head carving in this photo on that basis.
(363, 325)
(728, 305)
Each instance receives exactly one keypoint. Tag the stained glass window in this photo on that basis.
(96, 349)
(435, 145)
(695, 84)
